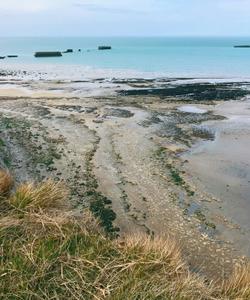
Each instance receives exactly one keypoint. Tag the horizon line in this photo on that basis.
(124, 36)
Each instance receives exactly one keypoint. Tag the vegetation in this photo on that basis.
(178, 180)
(174, 173)
(20, 130)
(4, 153)
(48, 252)
(6, 183)
(34, 197)
(100, 206)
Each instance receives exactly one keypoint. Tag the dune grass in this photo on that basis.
(238, 285)
(34, 197)
(48, 252)
(6, 182)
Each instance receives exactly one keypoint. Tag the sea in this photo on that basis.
(156, 56)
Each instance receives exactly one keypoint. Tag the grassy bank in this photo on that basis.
(49, 252)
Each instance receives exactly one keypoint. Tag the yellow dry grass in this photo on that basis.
(57, 254)
(6, 182)
(238, 285)
(30, 196)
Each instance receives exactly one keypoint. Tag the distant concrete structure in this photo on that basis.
(242, 46)
(104, 48)
(68, 51)
(48, 54)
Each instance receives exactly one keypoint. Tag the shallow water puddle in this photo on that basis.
(192, 109)
(222, 167)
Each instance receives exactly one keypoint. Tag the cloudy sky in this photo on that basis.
(128, 17)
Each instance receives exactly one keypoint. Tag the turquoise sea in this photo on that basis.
(172, 56)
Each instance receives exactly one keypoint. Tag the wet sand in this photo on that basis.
(125, 150)
(222, 168)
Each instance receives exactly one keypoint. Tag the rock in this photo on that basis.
(90, 110)
(194, 91)
(98, 121)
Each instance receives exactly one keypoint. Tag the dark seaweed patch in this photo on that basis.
(198, 92)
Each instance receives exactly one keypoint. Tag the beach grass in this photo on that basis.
(30, 197)
(49, 252)
(6, 182)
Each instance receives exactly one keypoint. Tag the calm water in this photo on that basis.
(171, 56)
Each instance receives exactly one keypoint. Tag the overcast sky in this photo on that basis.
(129, 17)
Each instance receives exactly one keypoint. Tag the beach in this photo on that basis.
(226, 176)
(163, 151)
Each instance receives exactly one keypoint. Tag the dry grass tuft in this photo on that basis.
(59, 254)
(165, 249)
(6, 182)
(33, 197)
(155, 269)
(238, 286)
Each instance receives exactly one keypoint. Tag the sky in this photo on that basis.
(125, 18)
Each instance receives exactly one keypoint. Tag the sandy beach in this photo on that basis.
(171, 156)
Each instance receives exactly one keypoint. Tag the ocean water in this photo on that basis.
(168, 56)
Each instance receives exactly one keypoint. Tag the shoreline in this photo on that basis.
(68, 82)
(127, 148)
(53, 71)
